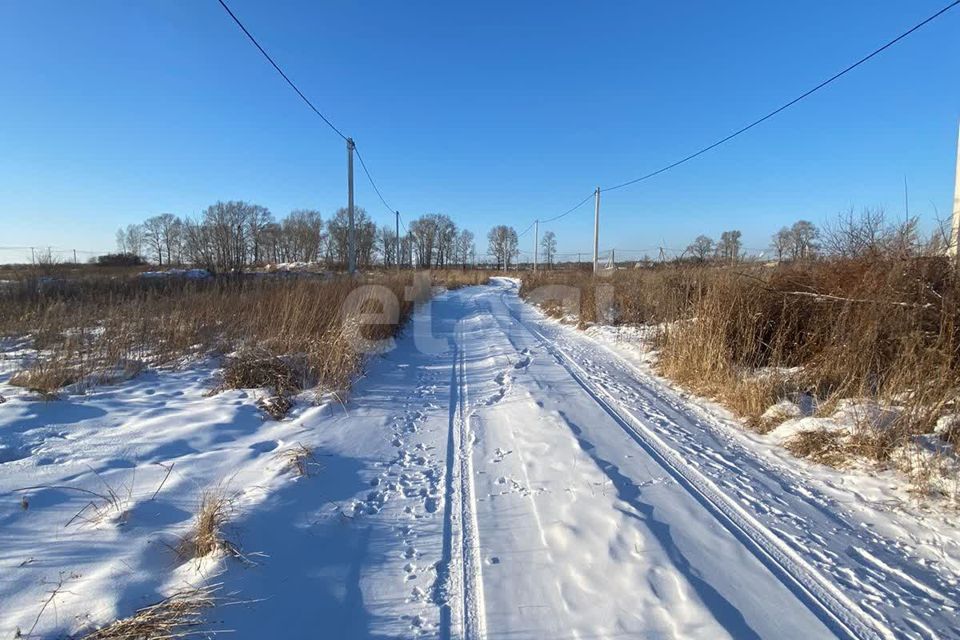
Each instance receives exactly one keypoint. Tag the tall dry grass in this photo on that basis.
(93, 331)
(882, 328)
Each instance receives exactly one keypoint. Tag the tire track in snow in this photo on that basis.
(462, 611)
(841, 614)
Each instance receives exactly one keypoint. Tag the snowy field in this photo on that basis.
(496, 475)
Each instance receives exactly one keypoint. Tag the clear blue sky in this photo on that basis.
(493, 112)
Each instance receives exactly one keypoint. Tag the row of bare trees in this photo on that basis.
(868, 233)
(437, 242)
(727, 249)
(235, 235)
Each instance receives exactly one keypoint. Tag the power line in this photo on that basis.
(374, 184)
(789, 104)
(280, 71)
(557, 217)
(578, 205)
(306, 100)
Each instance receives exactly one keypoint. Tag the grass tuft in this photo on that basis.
(820, 445)
(207, 537)
(180, 615)
(301, 459)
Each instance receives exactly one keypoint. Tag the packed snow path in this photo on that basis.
(496, 475)
(541, 487)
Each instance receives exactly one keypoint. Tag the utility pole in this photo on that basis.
(613, 259)
(955, 229)
(536, 241)
(352, 234)
(396, 251)
(596, 229)
(75, 256)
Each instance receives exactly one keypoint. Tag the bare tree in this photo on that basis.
(503, 245)
(701, 248)
(549, 245)
(301, 236)
(423, 235)
(446, 239)
(782, 243)
(153, 237)
(728, 248)
(257, 220)
(387, 245)
(804, 235)
(339, 236)
(869, 234)
(130, 239)
(465, 248)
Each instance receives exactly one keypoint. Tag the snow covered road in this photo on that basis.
(498, 475)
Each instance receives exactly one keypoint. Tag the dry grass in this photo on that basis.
(458, 278)
(284, 376)
(109, 504)
(884, 328)
(820, 445)
(46, 377)
(301, 459)
(180, 615)
(207, 537)
(85, 330)
(255, 369)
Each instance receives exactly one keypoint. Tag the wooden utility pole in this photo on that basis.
(536, 240)
(396, 251)
(596, 229)
(955, 229)
(352, 233)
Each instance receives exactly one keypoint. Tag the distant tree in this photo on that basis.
(423, 235)
(465, 250)
(130, 239)
(301, 236)
(258, 220)
(387, 245)
(549, 245)
(701, 248)
(339, 231)
(728, 249)
(446, 242)
(502, 245)
(782, 243)
(804, 235)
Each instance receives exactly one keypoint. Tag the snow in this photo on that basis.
(496, 475)
(186, 274)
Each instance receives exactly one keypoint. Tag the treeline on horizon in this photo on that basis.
(236, 235)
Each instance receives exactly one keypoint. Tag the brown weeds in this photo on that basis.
(883, 327)
(207, 537)
(820, 445)
(177, 616)
(301, 459)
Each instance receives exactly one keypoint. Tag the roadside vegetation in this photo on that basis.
(851, 337)
(67, 328)
(282, 333)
